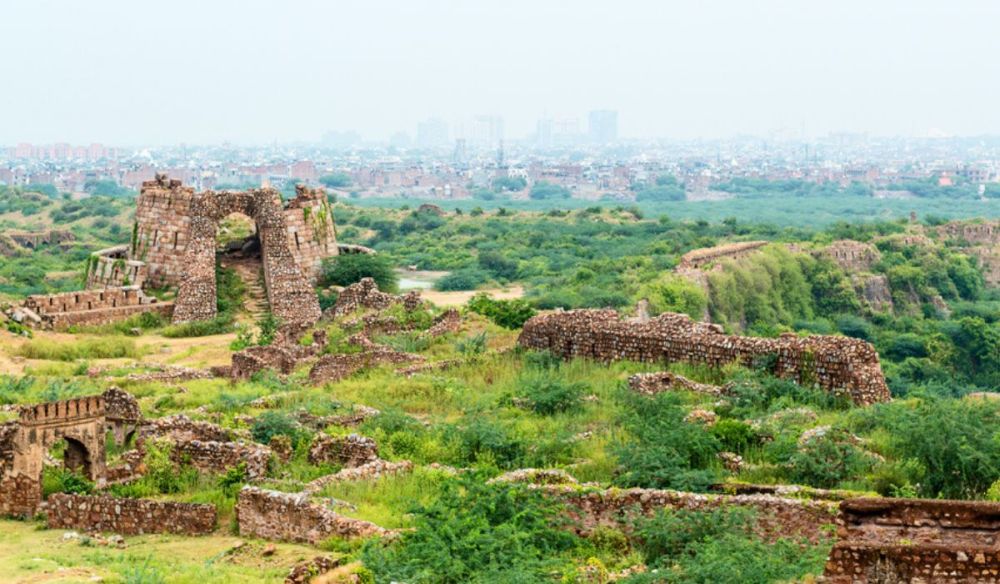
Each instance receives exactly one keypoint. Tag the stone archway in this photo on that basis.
(289, 294)
(76, 458)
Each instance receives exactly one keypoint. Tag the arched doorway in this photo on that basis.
(289, 294)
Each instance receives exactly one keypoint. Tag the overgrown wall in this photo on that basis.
(293, 517)
(832, 363)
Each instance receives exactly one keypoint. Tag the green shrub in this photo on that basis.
(464, 279)
(547, 394)
(272, 423)
(472, 346)
(826, 460)
(510, 314)
(62, 480)
(219, 325)
(346, 269)
(663, 450)
(476, 533)
(487, 441)
(734, 435)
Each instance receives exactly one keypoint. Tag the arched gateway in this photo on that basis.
(289, 292)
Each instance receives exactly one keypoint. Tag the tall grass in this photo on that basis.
(105, 348)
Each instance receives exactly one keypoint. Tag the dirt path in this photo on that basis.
(459, 298)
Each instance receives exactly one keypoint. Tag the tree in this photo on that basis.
(337, 180)
(545, 190)
(344, 270)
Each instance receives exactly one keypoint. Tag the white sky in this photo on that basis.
(199, 71)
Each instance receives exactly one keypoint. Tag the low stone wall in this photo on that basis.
(182, 428)
(913, 540)
(776, 517)
(366, 472)
(832, 363)
(333, 368)
(293, 517)
(128, 516)
(281, 358)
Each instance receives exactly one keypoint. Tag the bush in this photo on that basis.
(510, 314)
(547, 394)
(476, 533)
(219, 325)
(546, 190)
(663, 451)
(61, 480)
(488, 442)
(828, 459)
(272, 423)
(464, 279)
(346, 269)
(719, 546)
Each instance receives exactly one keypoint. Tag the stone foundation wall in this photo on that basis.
(832, 363)
(333, 368)
(293, 517)
(913, 540)
(128, 516)
(853, 256)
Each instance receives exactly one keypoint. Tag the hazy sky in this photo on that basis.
(198, 71)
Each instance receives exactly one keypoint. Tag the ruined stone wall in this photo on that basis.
(218, 457)
(701, 257)
(162, 229)
(79, 421)
(93, 307)
(912, 540)
(111, 268)
(33, 239)
(293, 517)
(351, 450)
(832, 363)
(311, 228)
(776, 517)
(128, 516)
(853, 256)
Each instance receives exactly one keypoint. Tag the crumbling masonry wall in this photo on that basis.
(832, 363)
(128, 516)
(912, 540)
(111, 268)
(293, 517)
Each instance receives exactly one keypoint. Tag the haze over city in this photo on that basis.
(127, 73)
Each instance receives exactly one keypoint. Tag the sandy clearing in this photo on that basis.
(459, 298)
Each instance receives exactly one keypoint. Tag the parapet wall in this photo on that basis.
(913, 540)
(832, 363)
(128, 516)
(93, 307)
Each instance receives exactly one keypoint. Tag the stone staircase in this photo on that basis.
(251, 271)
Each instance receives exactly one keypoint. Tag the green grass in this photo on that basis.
(102, 348)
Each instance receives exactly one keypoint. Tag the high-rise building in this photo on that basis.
(603, 126)
(487, 131)
(432, 133)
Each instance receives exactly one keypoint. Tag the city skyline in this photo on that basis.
(257, 72)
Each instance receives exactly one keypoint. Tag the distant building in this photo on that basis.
(603, 126)
(432, 133)
(487, 131)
